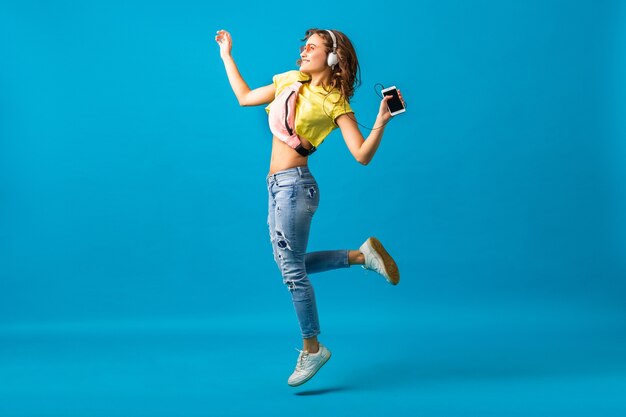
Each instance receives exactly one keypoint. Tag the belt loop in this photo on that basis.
(300, 172)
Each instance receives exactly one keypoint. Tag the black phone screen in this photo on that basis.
(394, 103)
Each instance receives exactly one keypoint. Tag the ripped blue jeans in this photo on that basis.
(293, 200)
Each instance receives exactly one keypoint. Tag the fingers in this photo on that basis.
(222, 35)
(401, 99)
(383, 104)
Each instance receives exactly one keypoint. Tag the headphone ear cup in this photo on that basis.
(333, 59)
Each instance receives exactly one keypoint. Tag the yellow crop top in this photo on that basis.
(312, 123)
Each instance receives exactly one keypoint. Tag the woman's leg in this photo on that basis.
(372, 255)
(296, 202)
(295, 199)
(332, 259)
(310, 344)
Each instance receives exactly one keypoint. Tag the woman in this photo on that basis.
(322, 89)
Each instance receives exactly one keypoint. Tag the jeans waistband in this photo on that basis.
(300, 171)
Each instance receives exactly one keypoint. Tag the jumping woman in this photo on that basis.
(305, 105)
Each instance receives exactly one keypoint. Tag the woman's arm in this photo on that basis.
(245, 96)
(362, 149)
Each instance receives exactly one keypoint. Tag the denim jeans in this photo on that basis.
(293, 200)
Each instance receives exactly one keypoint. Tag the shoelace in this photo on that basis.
(371, 264)
(304, 355)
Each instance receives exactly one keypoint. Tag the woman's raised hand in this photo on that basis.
(225, 42)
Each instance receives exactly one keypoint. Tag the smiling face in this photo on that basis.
(345, 76)
(314, 55)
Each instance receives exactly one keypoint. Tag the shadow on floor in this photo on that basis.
(322, 391)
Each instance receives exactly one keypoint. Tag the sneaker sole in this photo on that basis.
(312, 373)
(388, 263)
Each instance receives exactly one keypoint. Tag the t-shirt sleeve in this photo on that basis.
(277, 80)
(285, 78)
(281, 80)
(342, 107)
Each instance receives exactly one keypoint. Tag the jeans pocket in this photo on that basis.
(284, 190)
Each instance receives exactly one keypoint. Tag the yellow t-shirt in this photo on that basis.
(313, 122)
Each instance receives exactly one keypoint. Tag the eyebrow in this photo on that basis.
(311, 44)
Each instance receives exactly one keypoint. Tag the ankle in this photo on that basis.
(355, 257)
(313, 348)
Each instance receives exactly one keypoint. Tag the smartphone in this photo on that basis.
(394, 104)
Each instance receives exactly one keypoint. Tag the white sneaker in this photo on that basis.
(377, 259)
(308, 364)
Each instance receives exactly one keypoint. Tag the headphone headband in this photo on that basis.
(332, 35)
(333, 59)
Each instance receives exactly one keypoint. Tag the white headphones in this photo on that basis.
(332, 59)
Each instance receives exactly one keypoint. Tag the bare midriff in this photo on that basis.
(285, 157)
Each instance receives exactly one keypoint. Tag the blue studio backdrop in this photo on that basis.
(136, 272)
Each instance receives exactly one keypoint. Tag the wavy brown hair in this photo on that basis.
(347, 73)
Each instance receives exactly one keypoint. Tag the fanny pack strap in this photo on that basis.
(304, 151)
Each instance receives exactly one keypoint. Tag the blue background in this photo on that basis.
(136, 273)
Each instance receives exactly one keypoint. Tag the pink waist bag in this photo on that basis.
(282, 118)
